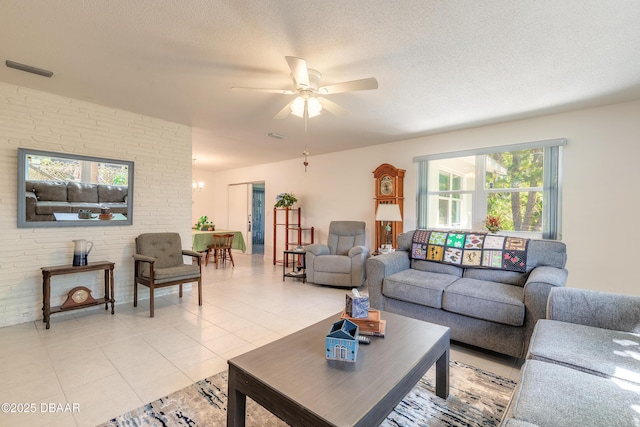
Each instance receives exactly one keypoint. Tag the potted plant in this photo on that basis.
(285, 200)
(204, 224)
(492, 223)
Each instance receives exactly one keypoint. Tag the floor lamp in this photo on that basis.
(387, 213)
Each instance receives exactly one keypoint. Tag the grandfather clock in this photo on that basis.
(389, 182)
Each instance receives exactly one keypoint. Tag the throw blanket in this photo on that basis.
(471, 249)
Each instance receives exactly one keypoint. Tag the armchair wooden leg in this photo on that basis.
(135, 293)
(200, 291)
(151, 301)
(180, 293)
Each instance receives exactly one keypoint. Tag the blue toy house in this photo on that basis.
(342, 341)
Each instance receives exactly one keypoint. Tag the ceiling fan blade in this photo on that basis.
(265, 90)
(284, 112)
(332, 107)
(352, 86)
(299, 71)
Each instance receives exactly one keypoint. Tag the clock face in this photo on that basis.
(80, 296)
(386, 185)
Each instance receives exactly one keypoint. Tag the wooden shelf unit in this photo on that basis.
(288, 228)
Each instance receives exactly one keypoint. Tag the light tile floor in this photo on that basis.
(91, 366)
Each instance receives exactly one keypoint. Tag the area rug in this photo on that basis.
(476, 398)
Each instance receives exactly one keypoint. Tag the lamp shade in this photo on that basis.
(388, 212)
(313, 106)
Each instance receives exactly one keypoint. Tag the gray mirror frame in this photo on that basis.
(22, 205)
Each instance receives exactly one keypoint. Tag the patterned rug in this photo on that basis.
(476, 398)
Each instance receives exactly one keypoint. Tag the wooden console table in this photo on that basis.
(48, 272)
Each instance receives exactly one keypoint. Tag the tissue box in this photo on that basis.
(357, 306)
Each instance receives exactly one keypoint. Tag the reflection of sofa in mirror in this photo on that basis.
(43, 198)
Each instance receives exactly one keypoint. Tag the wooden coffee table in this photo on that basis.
(291, 377)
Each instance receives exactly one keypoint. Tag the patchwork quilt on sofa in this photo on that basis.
(471, 249)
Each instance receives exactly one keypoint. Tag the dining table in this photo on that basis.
(201, 239)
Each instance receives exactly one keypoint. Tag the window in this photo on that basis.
(520, 184)
(48, 168)
(449, 202)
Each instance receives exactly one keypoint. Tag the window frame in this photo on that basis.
(551, 188)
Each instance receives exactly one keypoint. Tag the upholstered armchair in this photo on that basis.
(341, 262)
(159, 263)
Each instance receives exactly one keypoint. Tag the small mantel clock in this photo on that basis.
(389, 182)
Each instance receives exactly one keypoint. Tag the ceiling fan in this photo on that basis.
(311, 96)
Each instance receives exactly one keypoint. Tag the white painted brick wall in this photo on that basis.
(161, 152)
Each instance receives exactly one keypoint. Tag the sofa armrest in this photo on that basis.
(194, 254)
(379, 267)
(144, 258)
(595, 308)
(317, 249)
(540, 282)
(358, 250)
(551, 275)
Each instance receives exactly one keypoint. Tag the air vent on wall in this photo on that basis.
(28, 68)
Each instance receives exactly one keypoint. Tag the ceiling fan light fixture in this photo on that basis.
(314, 107)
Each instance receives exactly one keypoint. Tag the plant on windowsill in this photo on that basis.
(492, 223)
(285, 200)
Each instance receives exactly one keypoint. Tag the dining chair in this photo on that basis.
(221, 248)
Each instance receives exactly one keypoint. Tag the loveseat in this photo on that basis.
(583, 364)
(46, 197)
(485, 306)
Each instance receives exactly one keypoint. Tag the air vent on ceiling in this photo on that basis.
(28, 68)
(275, 135)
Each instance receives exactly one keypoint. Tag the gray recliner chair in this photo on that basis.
(341, 262)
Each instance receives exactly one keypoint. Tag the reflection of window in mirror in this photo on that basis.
(48, 168)
(57, 189)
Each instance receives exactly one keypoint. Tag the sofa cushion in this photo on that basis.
(81, 192)
(435, 267)
(597, 351)
(333, 264)
(551, 253)
(165, 247)
(48, 191)
(170, 274)
(419, 287)
(93, 207)
(492, 301)
(553, 395)
(112, 193)
(48, 208)
(508, 277)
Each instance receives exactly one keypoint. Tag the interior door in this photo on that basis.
(240, 202)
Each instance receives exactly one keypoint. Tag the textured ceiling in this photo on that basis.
(440, 65)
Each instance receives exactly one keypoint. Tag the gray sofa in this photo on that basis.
(492, 309)
(46, 197)
(583, 365)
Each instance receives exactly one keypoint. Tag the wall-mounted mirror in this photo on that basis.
(68, 190)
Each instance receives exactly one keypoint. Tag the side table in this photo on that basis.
(298, 267)
(48, 272)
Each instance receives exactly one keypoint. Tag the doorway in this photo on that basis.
(246, 214)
